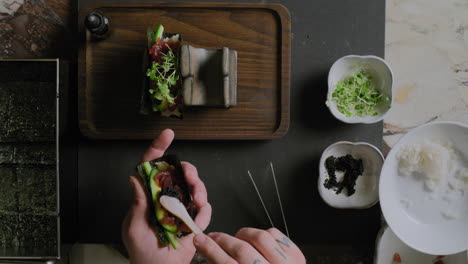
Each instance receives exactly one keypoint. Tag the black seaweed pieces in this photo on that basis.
(169, 192)
(351, 167)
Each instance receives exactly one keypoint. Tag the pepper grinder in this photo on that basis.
(97, 24)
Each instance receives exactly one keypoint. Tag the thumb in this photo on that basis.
(211, 250)
(136, 216)
(140, 201)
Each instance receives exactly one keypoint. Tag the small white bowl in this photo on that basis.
(415, 214)
(382, 76)
(367, 185)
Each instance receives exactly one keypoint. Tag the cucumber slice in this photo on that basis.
(172, 239)
(147, 167)
(159, 32)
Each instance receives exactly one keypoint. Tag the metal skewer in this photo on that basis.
(279, 198)
(260, 197)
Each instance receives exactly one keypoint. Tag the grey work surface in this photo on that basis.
(323, 31)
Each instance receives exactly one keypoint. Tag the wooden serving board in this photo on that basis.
(110, 70)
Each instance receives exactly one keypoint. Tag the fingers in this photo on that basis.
(199, 194)
(212, 251)
(239, 250)
(203, 217)
(159, 145)
(287, 245)
(264, 242)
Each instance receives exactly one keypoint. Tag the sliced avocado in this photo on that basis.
(155, 189)
(172, 239)
(159, 32)
(160, 214)
(170, 228)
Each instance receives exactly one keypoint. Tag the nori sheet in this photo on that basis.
(29, 213)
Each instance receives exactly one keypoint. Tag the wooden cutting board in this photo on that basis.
(110, 70)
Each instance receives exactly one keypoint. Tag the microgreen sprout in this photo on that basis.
(164, 74)
(357, 95)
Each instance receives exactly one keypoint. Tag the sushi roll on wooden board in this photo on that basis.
(162, 93)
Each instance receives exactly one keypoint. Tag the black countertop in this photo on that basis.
(322, 32)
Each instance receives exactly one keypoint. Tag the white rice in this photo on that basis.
(432, 160)
(442, 170)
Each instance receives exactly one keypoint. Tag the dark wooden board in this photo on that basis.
(110, 75)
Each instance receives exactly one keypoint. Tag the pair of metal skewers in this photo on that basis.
(277, 195)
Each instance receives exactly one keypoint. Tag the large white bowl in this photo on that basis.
(382, 76)
(388, 244)
(413, 213)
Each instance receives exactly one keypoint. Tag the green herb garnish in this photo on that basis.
(357, 96)
(164, 74)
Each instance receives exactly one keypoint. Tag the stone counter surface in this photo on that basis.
(426, 44)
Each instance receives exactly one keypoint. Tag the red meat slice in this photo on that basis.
(160, 48)
(164, 179)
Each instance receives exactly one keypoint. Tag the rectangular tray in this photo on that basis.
(110, 75)
(31, 104)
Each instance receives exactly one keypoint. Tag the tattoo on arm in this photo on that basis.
(256, 261)
(281, 253)
(284, 241)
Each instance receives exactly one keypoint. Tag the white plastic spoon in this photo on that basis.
(175, 207)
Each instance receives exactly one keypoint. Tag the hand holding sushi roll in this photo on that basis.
(139, 236)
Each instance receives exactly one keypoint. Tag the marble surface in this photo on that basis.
(427, 48)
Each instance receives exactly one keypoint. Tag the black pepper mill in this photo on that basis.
(97, 24)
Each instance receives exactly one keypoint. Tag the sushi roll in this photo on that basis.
(164, 176)
(164, 90)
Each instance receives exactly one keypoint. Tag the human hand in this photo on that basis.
(249, 246)
(137, 234)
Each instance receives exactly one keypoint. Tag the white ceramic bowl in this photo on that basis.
(415, 214)
(366, 194)
(388, 244)
(382, 76)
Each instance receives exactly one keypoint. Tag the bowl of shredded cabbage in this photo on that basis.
(360, 89)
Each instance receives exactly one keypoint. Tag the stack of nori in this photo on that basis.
(28, 165)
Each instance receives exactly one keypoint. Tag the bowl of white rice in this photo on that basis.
(423, 188)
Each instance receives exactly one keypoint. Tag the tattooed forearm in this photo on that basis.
(281, 253)
(284, 241)
(256, 261)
